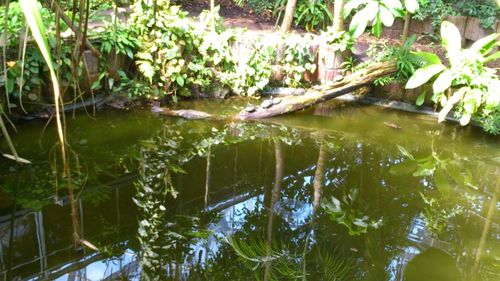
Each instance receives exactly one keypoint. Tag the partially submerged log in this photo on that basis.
(184, 113)
(323, 93)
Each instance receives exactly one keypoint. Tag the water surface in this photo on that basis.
(333, 193)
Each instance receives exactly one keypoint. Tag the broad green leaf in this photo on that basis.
(10, 85)
(370, 12)
(429, 58)
(424, 74)
(492, 57)
(421, 99)
(443, 81)
(404, 168)
(411, 5)
(351, 5)
(392, 5)
(452, 40)
(180, 81)
(358, 24)
(386, 16)
(442, 183)
(485, 44)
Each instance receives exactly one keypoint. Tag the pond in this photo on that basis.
(338, 192)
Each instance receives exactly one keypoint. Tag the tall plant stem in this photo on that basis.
(25, 43)
(7, 137)
(4, 52)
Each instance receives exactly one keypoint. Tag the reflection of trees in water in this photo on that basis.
(343, 162)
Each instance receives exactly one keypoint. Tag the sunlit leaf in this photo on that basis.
(386, 16)
(485, 44)
(443, 81)
(424, 74)
(452, 40)
(411, 5)
(492, 57)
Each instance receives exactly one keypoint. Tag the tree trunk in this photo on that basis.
(319, 176)
(288, 18)
(338, 26)
(338, 17)
(323, 93)
(406, 27)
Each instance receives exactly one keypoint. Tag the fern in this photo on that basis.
(258, 254)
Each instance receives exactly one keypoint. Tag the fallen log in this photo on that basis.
(323, 93)
(183, 113)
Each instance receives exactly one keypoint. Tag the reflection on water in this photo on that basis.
(328, 194)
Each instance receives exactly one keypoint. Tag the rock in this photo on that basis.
(250, 109)
(267, 104)
(276, 101)
(338, 78)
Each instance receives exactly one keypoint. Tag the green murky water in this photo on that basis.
(333, 193)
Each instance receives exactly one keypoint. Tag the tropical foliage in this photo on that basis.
(376, 13)
(467, 85)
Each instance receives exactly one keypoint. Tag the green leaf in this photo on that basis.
(492, 57)
(424, 74)
(421, 99)
(10, 85)
(442, 183)
(405, 152)
(180, 81)
(386, 16)
(411, 6)
(393, 5)
(429, 58)
(451, 38)
(358, 24)
(351, 5)
(95, 85)
(377, 27)
(485, 44)
(449, 103)
(404, 168)
(443, 81)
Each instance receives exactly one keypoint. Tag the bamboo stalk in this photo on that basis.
(71, 25)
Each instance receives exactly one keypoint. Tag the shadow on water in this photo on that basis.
(328, 194)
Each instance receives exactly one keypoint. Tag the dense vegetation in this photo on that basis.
(169, 54)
